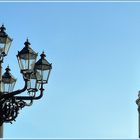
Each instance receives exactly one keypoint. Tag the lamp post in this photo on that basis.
(35, 75)
(138, 103)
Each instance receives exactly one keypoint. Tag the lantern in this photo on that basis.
(27, 58)
(8, 81)
(5, 41)
(33, 84)
(43, 67)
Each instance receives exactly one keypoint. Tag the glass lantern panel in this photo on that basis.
(26, 64)
(7, 46)
(5, 43)
(38, 75)
(31, 64)
(2, 48)
(44, 75)
(28, 85)
(6, 87)
(39, 79)
(2, 44)
(33, 84)
(3, 40)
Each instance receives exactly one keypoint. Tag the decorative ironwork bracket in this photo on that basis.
(11, 104)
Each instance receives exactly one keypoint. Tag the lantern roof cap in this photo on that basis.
(2, 31)
(42, 63)
(7, 76)
(27, 50)
(27, 43)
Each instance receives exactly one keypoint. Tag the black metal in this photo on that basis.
(31, 97)
(27, 50)
(10, 105)
(42, 63)
(10, 101)
(11, 94)
(10, 109)
(2, 31)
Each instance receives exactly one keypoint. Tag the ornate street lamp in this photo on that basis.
(35, 75)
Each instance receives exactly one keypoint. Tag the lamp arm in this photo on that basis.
(11, 94)
(31, 97)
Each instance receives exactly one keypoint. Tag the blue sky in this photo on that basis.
(94, 49)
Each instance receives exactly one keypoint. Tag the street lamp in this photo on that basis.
(35, 75)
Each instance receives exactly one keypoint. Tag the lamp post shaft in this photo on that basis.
(1, 131)
(1, 127)
(138, 103)
(139, 121)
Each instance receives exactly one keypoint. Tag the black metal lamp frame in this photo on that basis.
(11, 103)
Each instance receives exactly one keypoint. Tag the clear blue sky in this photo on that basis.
(95, 51)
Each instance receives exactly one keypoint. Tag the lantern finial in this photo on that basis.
(8, 69)
(2, 28)
(43, 55)
(27, 43)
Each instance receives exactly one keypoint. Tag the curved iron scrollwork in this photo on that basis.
(11, 104)
(10, 109)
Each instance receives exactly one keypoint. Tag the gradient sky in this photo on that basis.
(95, 52)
